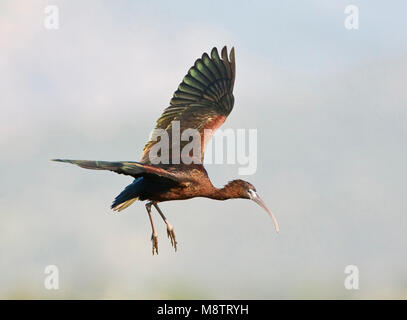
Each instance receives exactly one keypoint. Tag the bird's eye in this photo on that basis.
(252, 193)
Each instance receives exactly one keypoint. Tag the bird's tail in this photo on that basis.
(130, 194)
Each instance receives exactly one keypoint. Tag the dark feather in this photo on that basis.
(130, 168)
(128, 195)
(204, 95)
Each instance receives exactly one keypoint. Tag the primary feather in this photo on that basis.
(203, 100)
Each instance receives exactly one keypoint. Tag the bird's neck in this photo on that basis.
(227, 192)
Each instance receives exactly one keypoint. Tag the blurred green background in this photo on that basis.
(329, 105)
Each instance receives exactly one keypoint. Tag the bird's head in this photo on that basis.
(245, 190)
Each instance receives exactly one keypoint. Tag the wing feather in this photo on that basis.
(203, 100)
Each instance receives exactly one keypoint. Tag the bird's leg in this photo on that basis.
(154, 236)
(170, 229)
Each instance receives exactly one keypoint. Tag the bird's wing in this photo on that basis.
(130, 168)
(202, 101)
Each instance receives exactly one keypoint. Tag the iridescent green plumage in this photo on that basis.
(205, 94)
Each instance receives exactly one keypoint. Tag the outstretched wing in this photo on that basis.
(130, 168)
(202, 101)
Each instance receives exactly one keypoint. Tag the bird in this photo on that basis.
(202, 102)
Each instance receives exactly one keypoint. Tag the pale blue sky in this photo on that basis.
(330, 109)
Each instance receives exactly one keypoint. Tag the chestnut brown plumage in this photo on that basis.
(202, 101)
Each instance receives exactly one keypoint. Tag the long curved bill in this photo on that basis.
(255, 197)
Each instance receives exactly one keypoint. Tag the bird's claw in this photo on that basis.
(154, 240)
(171, 235)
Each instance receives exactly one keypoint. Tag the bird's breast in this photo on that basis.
(186, 189)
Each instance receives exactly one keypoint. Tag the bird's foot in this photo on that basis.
(171, 235)
(154, 240)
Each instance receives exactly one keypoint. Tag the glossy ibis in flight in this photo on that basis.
(202, 102)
